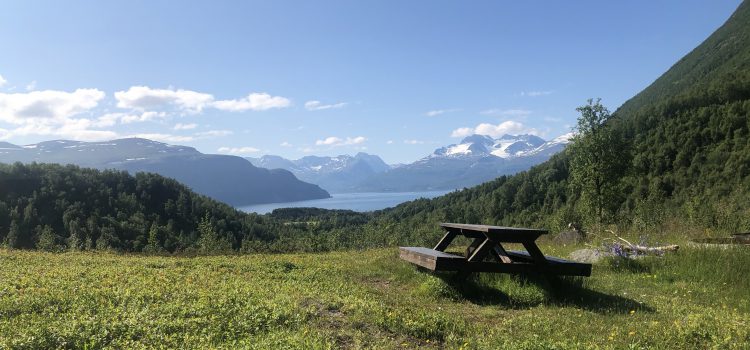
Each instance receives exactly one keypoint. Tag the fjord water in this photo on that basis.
(352, 201)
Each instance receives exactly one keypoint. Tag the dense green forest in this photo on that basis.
(54, 207)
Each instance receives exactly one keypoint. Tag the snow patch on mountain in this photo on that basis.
(459, 149)
(506, 147)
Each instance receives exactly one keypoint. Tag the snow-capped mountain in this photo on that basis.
(476, 159)
(229, 179)
(553, 146)
(506, 147)
(337, 174)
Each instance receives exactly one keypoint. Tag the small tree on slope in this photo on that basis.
(598, 160)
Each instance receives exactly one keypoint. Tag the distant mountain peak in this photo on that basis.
(476, 138)
(336, 173)
(9, 146)
(564, 138)
(506, 147)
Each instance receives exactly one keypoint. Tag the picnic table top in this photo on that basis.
(493, 229)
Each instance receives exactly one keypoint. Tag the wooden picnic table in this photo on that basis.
(487, 243)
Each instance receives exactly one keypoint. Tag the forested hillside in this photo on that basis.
(689, 148)
(53, 207)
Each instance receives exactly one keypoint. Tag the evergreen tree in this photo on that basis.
(76, 240)
(108, 239)
(12, 239)
(210, 241)
(47, 239)
(153, 245)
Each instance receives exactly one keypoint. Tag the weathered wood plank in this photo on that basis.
(497, 233)
(492, 229)
(428, 258)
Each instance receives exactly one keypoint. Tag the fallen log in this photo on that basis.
(641, 249)
(651, 250)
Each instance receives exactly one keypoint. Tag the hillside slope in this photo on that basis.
(225, 178)
(689, 133)
(83, 209)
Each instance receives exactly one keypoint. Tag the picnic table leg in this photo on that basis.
(535, 253)
(477, 250)
(484, 248)
(473, 246)
(446, 240)
(501, 255)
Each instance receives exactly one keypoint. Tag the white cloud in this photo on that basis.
(413, 142)
(255, 102)
(317, 105)
(437, 112)
(329, 141)
(390, 142)
(506, 127)
(76, 129)
(145, 98)
(31, 86)
(238, 150)
(213, 133)
(507, 112)
(108, 119)
(21, 108)
(462, 132)
(335, 141)
(53, 113)
(164, 137)
(181, 126)
(143, 117)
(285, 144)
(2, 81)
(536, 93)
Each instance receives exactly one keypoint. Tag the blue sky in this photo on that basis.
(392, 78)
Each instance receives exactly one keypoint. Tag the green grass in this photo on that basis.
(695, 298)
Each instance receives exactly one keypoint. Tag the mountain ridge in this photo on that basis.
(339, 173)
(230, 179)
(476, 159)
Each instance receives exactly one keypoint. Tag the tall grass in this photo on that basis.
(692, 299)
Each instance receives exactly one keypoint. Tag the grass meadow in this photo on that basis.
(696, 298)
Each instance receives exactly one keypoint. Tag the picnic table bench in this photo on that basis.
(487, 242)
